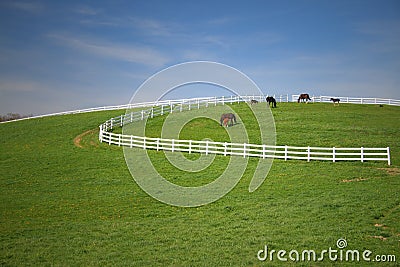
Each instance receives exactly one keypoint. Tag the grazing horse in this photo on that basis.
(253, 101)
(229, 116)
(304, 97)
(225, 122)
(270, 100)
(335, 100)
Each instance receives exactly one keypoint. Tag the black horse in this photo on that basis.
(304, 97)
(335, 100)
(253, 101)
(270, 100)
(229, 116)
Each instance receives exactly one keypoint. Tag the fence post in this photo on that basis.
(172, 145)
(206, 147)
(162, 110)
(263, 152)
(152, 112)
(333, 154)
(308, 154)
(131, 144)
(144, 142)
(225, 149)
(131, 116)
(119, 140)
(112, 121)
(362, 154)
(142, 114)
(190, 146)
(101, 133)
(170, 105)
(286, 157)
(121, 121)
(244, 150)
(388, 155)
(158, 144)
(223, 100)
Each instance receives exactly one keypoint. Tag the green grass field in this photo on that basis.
(68, 200)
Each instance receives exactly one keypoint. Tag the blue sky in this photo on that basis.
(65, 55)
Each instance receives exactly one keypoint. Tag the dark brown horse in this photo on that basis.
(270, 100)
(229, 116)
(304, 97)
(253, 101)
(335, 100)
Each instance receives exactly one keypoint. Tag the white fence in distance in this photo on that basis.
(223, 148)
(226, 99)
(352, 100)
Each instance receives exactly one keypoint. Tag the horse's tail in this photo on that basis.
(234, 117)
(221, 120)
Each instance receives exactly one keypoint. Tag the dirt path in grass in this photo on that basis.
(78, 138)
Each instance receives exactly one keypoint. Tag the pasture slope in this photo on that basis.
(68, 200)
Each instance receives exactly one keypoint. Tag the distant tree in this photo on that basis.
(13, 116)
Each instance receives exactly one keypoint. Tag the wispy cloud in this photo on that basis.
(198, 55)
(155, 27)
(18, 86)
(85, 10)
(383, 35)
(128, 53)
(26, 6)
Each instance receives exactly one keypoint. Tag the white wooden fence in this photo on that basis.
(223, 148)
(352, 100)
(223, 100)
(248, 150)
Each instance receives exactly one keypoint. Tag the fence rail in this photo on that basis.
(223, 100)
(224, 148)
(353, 100)
(248, 150)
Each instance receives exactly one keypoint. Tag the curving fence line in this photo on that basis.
(223, 99)
(223, 148)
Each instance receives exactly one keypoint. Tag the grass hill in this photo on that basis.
(67, 199)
